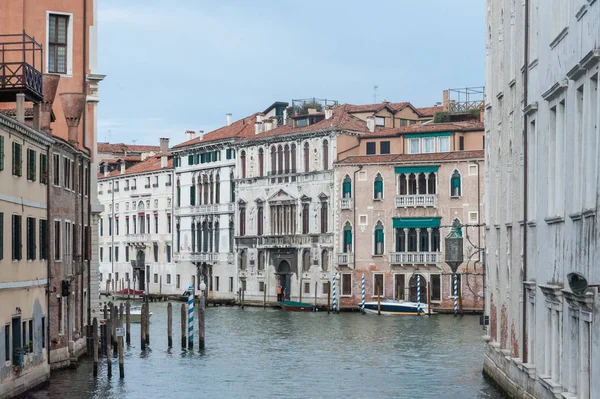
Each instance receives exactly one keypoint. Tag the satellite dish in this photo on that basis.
(577, 283)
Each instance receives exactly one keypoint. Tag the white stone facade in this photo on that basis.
(549, 347)
(138, 216)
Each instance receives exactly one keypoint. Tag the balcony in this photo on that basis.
(346, 203)
(209, 257)
(415, 258)
(345, 259)
(286, 241)
(418, 200)
(138, 238)
(20, 67)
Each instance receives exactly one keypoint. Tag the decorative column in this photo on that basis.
(405, 230)
(418, 240)
(429, 230)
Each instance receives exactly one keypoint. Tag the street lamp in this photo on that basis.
(454, 255)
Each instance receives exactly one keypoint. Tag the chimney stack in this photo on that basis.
(164, 145)
(21, 107)
(328, 112)
(50, 86)
(260, 117)
(122, 166)
(228, 119)
(201, 134)
(258, 127)
(190, 134)
(446, 99)
(72, 104)
(371, 123)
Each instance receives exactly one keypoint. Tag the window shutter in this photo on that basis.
(190, 159)
(379, 235)
(1, 236)
(1, 154)
(192, 195)
(348, 238)
(33, 165)
(346, 187)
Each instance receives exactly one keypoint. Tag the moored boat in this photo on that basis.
(135, 314)
(292, 306)
(128, 292)
(393, 307)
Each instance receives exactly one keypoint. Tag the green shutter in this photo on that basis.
(202, 158)
(1, 236)
(1, 154)
(196, 159)
(346, 187)
(347, 237)
(378, 186)
(192, 195)
(17, 159)
(43, 168)
(190, 159)
(214, 156)
(228, 153)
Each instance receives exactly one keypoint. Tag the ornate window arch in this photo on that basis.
(456, 184)
(378, 187)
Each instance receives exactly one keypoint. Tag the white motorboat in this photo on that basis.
(135, 314)
(393, 307)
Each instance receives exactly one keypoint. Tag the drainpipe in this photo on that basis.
(354, 216)
(525, 173)
(48, 261)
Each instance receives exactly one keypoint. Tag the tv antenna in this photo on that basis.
(375, 87)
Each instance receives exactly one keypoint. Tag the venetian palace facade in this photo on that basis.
(48, 280)
(542, 121)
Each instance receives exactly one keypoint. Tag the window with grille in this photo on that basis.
(17, 239)
(43, 168)
(57, 43)
(17, 159)
(31, 242)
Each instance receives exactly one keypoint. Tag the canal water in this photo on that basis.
(256, 353)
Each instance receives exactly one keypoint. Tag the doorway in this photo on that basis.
(16, 336)
(285, 278)
(413, 289)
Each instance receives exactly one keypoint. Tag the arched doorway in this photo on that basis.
(285, 277)
(140, 270)
(412, 296)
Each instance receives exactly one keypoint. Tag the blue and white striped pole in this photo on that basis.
(419, 294)
(191, 318)
(333, 294)
(362, 303)
(455, 295)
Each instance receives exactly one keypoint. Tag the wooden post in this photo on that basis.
(108, 347)
(201, 334)
(102, 338)
(170, 324)
(328, 299)
(143, 327)
(300, 294)
(316, 286)
(128, 288)
(147, 321)
(105, 310)
(114, 315)
(265, 297)
(460, 306)
(95, 338)
(242, 294)
(429, 298)
(121, 366)
(378, 300)
(121, 313)
(128, 322)
(183, 326)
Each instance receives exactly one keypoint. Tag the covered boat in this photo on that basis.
(128, 292)
(393, 307)
(292, 306)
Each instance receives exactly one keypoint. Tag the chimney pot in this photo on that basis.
(190, 134)
(258, 127)
(328, 112)
(371, 123)
(201, 134)
(164, 161)
(164, 145)
(122, 165)
(21, 107)
(228, 119)
(73, 104)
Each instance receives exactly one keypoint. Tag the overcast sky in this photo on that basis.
(174, 65)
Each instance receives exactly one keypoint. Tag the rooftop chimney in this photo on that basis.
(328, 112)
(122, 166)
(190, 134)
(228, 119)
(258, 127)
(21, 107)
(164, 145)
(371, 123)
(50, 85)
(260, 117)
(72, 104)
(164, 161)
(201, 134)
(446, 98)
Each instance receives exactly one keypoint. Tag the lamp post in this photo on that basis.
(454, 256)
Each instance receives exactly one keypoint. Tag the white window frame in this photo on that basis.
(430, 286)
(342, 284)
(439, 143)
(377, 119)
(410, 150)
(473, 217)
(69, 73)
(360, 222)
(425, 141)
(374, 293)
(60, 244)
(473, 169)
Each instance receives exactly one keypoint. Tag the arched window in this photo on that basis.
(424, 240)
(400, 240)
(412, 240)
(422, 184)
(305, 218)
(347, 187)
(193, 236)
(435, 240)
(431, 184)
(259, 220)
(378, 187)
(280, 160)
(261, 260)
(217, 189)
(199, 236)
(273, 161)
(193, 192)
(243, 163)
(325, 155)
(242, 225)
(286, 153)
(204, 237)
(217, 234)
(210, 237)
(324, 217)
(306, 157)
(232, 187)
(261, 163)
(402, 184)
(243, 260)
(413, 289)
(455, 186)
(412, 184)
(325, 260)
(178, 193)
(211, 189)
(231, 236)
(205, 188)
(379, 238)
(293, 158)
(347, 242)
(306, 260)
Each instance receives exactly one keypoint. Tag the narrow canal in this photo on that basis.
(256, 353)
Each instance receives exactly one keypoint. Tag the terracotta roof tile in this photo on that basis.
(404, 158)
(150, 164)
(430, 111)
(377, 107)
(12, 112)
(121, 148)
(241, 128)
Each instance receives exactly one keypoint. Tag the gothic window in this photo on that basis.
(293, 155)
(324, 217)
(261, 162)
(325, 155)
(305, 218)
(306, 157)
(287, 159)
(259, 220)
(280, 160)
(217, 189)
(378, 187)
(243, 163)
(347, 239)
(242, 221)
(273, 161)
(378, 239)
(455, 184)
(347, 187)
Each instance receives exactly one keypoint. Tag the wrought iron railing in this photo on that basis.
(20, 67)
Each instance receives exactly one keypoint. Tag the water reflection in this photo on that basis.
(256, 353)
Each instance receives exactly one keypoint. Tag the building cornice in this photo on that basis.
(17, 127)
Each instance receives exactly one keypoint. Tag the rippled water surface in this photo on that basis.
(256, 353)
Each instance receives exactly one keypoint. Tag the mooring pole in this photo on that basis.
(143, 327)
(201, 320)
(128, 322)
(183, 325)
(170, 325)
(95, 343)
